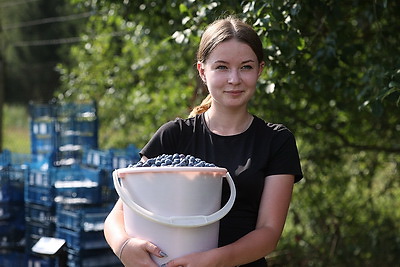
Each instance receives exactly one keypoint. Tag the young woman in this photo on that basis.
(261, 157)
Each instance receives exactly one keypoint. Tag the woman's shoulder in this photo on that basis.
(270, 126)
(181, 123)
(185, 121)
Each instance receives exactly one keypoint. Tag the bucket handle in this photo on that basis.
(177, 221)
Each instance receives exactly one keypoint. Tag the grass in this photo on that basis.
(16, 134)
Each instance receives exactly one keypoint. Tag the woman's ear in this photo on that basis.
(261, 68)
(200, 69)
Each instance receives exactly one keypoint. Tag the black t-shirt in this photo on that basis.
(263, 149)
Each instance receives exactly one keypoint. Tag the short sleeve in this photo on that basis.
(284, 157)
(164, 141)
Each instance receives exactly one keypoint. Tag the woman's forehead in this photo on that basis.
(232, 50)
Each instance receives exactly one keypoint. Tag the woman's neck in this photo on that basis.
(228, 123)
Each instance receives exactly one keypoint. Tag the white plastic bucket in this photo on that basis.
(176, 208)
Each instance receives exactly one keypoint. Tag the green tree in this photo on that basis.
(332, 77)
(138, 62)
(35, 36)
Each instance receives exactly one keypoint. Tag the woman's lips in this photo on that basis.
(234, 92)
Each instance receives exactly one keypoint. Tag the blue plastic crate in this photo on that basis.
(18, 173)
(68, 155)
(12, 235)
(93, 174)
(30, 241)
(66, 125)
(41, 161)
(80, 240)
(43, 129)
(65, 139)
(97, 158)
(40, 213)
(38, 261)
(79, 185)
(5, 211)
(48, 177)
(87, 141)
(78, 192)
(93, 258)
(12, 258)
(108, 179)
(89, 218)
(86, 110)
(5, 158)
(12, 212)
(65, 110)
(124, 157)
(36, 230)
(39, 195)
(41, 112)
(4, 185)
(86, 126)
(12, 184)
(40, 177)
(78, 173)
(123, 161)
(43, 145)
(66, 185)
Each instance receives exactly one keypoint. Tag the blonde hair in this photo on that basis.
(220, 31)
(203, 107)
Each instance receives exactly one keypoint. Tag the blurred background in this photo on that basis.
(332, 77)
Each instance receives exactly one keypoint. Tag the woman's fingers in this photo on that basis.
(156, 251)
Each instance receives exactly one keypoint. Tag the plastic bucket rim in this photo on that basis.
(168, 169)
(178, 221)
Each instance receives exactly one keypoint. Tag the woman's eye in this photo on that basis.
(221, 67)
(247, 67)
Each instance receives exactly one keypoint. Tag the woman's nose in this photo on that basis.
(234, 77)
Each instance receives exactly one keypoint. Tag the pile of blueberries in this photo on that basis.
(175, 160)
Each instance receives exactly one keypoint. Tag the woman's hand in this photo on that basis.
(131, 251)
(201, 259)
(136, 252)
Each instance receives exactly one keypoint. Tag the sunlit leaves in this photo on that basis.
(329, 66)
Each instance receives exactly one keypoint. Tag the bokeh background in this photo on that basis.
(332, 77)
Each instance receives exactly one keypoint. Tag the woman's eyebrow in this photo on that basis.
(225, 62)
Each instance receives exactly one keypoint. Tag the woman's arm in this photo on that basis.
(114, 228)
(258, 243)
(131, 251)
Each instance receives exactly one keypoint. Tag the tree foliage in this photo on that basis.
(34, 38)
(332, 77)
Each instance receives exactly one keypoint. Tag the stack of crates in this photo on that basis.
(82, 228)
(12, 219)
(69, 203)
(110, 160)
(76, 130)
(60, 132)
(68, 196)
(63, 189)
(42, 134)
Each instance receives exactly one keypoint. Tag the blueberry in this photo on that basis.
(199, 164)
(151, 161)
(175, 160)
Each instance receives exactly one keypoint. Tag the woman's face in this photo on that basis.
(231, 72)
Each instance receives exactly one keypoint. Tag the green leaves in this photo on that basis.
(332, 76)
